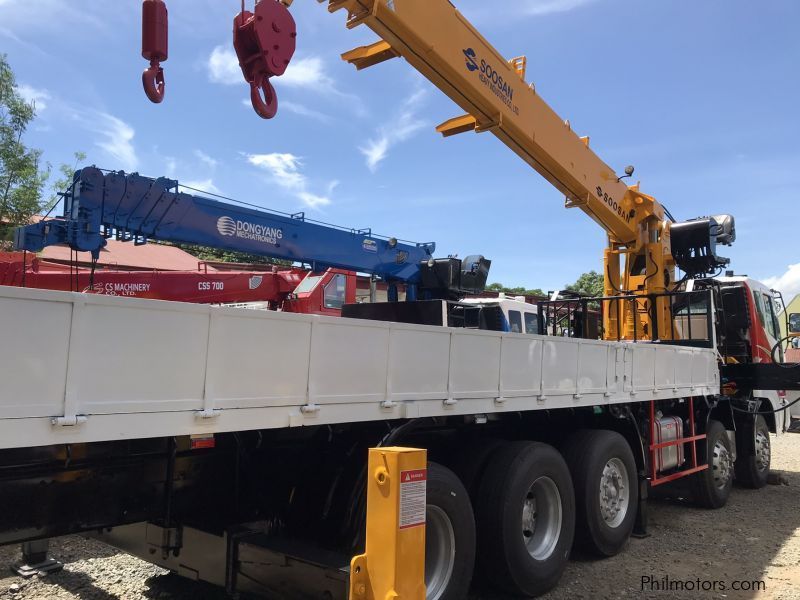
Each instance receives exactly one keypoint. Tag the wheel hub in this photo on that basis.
(440, 552)
(721, 464)
(541, 518)
(614, 496)
(763, 451)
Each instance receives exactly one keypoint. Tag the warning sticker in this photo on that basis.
(412, 498)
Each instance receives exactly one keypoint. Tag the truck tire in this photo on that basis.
(752, 463)
(449, 536)
(471, 462)
(526, 518)
(604, 476)
(711, 487)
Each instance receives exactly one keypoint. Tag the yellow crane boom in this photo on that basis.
(438, 41)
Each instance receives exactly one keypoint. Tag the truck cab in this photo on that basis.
(323, 293)
(751, 333)
(517, 315)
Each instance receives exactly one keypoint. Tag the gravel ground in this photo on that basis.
(756, 537)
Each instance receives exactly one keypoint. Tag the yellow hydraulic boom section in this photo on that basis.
(442, 45)
(393, 565)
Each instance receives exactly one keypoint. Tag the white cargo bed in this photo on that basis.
(84, 368)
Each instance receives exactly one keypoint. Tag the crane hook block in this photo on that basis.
(265, 41)
(155, 36)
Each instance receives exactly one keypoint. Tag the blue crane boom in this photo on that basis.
(131, 207)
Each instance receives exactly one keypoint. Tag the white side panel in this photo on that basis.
(703, 371)
(560, 367)
(140, 359)
(683, 368)
(33, 357)
(521, 368)
(644, 367)
(593, 367)
(349, 361)
(255, 361)
(474, 364)
(104, 368)
(666, 361)
(419, 364)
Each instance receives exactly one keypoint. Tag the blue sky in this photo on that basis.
(701, 97)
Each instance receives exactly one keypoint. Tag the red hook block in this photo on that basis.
(265, 41)
(155, 41)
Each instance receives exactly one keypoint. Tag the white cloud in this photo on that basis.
(788, 283)
(170, 167)
(312, 200)
(112, 135)
(33, 95)
(302, 110)
(307, 72)
(284, 169)
(21, 15)
(487, 11)
(210, 162)
(7, 33)
(547, 7)
(298, 109)
(223, 66)
(204, 185)
(402, 128)
(115, 137)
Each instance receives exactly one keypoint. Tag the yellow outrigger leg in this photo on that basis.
(393, 565)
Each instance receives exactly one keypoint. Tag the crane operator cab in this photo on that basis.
(517, 316)
(442, 285)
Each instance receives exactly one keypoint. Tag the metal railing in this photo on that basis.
(690, 317)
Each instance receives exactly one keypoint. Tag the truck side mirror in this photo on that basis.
(794, 323)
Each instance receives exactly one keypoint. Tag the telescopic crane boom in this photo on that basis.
(442, 45)
(134, 208)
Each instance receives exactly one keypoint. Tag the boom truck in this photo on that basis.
(229, 445)
(286, 289)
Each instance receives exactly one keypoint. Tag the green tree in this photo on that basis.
(209, 254)
(22, 176)
(588, 284)
(515, 291)
(61, 184)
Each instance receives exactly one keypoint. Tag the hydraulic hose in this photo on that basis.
(778, 345)
(765, 412)
(783, 365)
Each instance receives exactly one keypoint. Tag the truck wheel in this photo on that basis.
(752, 464)
(711, 487)
(606, 491)
(525, 518)
(449, 536)
(471, 462)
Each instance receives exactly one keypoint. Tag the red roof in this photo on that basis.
(126, 256)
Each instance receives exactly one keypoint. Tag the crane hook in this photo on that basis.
(265, 41)
(155, 46)
(153, 82)
(266, 107)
